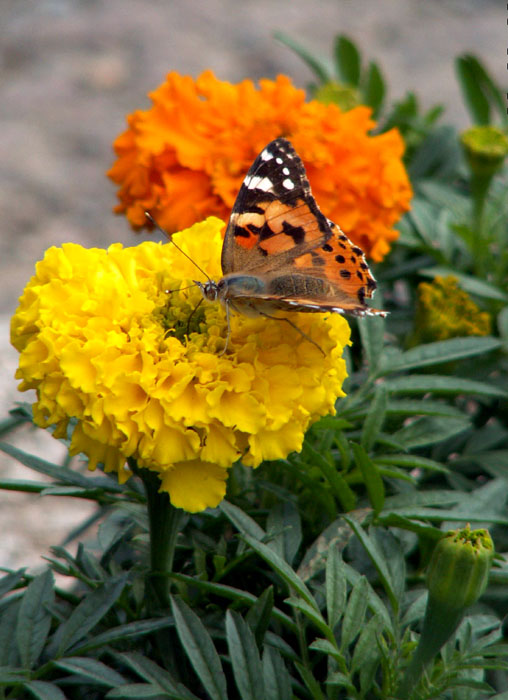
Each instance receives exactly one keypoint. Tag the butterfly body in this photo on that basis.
(281, 253)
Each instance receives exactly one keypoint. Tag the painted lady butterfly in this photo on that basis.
(281, 253)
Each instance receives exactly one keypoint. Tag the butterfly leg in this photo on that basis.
(302, 333)
(192, 314)
(228, 335)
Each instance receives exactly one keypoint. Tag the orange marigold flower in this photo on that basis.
(185, 157)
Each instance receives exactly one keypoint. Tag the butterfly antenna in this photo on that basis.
(159, 228)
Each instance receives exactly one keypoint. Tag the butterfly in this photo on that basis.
(280, 253)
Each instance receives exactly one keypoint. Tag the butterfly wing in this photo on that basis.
(275, 217)
(280, 250)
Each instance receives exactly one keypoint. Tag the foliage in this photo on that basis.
(307, 581)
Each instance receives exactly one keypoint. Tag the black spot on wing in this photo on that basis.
(361, 295)
(317, 260)
(327, 248)
(297, 233)
(357, 251)
(345, 274)
(359, 275)
(240, 231)
(340, 259)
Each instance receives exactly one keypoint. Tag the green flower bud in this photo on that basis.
(459, 568)
(485, 148)
(344, 96)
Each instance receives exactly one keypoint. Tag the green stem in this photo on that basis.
(479, 190)
(165, 523)
(439, 624)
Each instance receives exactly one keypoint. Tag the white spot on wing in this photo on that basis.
(285, 171)
(288, 184)
(258, 183)
(266, 155)
(279, 161)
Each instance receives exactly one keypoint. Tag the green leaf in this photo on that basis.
(374, 88)
(311, 683)
(284, 520)
(154, 674)
(339, 486)
(95, 670)
(377, 559)
(242, 521)
(375, 417)
(200, 650)
(421, 407)
(347, 61)
(439, 352)
(354, 614)
(371, 477)
(9, 656)
(244, 655)
(335, 586)
(475, 100)
(137, 691)
(276, 678)
(283, 569)
(470, 284)
(44, 691)
(34, 619)
(318, 68)
(440, 384)
(89, 612)
(411, 462)
(430, 430)
(310, 612)
(259, 616)
(372, 335)
(10, 581)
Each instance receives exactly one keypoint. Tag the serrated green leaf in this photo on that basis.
(421, 407)
(347, 61)
(200, 649)
(318, 68)
(490, 89)
(95, 670)
(10, 675)
(335, 587)
(276, 677)
(326, 647)
(374, 88)
(375, 417)
(430, 430)
(441, 384)
(88, 613)
(439, 352)
(44, 691)
(475, 100)
(470, 284)
(377, 559)
(338, 485)
(354, 614)
(34, 619)
(244, 655)
(55, 471)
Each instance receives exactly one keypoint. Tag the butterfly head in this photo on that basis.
(209, 289)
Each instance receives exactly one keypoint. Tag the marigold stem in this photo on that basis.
(165, 523)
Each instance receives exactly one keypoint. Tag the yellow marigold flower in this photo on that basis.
(185, 157)
(445, 311)
(102, 337)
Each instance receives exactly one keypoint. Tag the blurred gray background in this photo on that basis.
(72, 69)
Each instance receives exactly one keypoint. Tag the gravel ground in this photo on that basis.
(72, 70)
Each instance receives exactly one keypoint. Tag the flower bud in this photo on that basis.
(485, 148)
(344, 96)
(459, 568)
